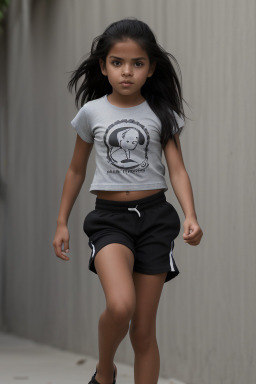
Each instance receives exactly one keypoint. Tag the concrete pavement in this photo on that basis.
(26, 361)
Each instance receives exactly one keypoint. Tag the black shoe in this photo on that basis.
(94, 381)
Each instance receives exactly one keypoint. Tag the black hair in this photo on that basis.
(162, 90)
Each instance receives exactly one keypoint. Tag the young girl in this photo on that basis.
(131, 110)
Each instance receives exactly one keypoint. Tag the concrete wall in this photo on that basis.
(206, 317)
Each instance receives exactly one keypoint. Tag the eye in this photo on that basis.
(138, 64)
(116, 63)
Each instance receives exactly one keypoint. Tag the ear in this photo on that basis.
(151, 69)
(103, 67)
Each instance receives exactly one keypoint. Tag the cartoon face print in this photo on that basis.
(128, 139)
(127, 143)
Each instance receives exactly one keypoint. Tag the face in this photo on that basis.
(128, 139)
(127, 68)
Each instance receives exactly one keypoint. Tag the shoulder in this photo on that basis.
(179, 119)
(93, 105)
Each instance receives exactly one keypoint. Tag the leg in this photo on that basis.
(143, 327)
(114, 266)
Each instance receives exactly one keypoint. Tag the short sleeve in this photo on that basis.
(180, 122)
(80, 124)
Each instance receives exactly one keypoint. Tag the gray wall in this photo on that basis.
(206, 318)
(3, 166)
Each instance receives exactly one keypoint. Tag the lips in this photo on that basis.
(126, 82)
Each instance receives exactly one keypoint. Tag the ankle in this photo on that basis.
(105, 375)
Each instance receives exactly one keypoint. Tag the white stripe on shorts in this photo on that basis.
(171, 257)
(93, 250)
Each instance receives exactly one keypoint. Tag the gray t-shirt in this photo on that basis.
(128, 152)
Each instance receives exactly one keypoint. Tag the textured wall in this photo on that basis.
(206, 318)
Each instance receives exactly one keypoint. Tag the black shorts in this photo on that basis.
(147, 226)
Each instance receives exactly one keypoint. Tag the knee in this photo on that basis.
(120, 312)
(142, 337)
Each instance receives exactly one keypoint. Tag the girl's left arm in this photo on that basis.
(183, 190)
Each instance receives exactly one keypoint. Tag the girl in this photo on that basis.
(131, 101)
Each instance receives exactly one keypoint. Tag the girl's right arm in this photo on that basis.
(73, 182)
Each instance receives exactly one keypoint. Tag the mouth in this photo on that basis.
(126, 82)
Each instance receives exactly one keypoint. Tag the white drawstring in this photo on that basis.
(134, 209)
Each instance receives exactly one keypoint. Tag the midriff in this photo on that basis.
(126, 195)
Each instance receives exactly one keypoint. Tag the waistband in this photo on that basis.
(145, 202)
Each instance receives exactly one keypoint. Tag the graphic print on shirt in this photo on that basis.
(127, 144)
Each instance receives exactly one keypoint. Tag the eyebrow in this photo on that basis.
(135, 59)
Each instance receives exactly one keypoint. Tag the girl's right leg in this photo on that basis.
(114, 266)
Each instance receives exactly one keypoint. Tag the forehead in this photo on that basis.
(131, 132)
(127, 49)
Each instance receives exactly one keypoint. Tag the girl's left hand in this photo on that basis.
(192, 232)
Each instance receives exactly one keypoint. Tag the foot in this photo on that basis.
(102, 380)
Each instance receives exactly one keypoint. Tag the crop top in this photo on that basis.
(128, 151)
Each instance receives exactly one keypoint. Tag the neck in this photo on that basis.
(125, 101)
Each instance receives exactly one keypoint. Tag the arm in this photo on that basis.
(74, 178)
(182, 188)
(73, 182)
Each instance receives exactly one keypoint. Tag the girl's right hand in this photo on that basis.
(61, 237)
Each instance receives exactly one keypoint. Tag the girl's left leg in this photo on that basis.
(143, 327)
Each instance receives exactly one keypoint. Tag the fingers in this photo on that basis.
(189, 233)
(65, 250)
(61, 242)
(187, 230)
(194, 236)
(59, 250)
(194, 241)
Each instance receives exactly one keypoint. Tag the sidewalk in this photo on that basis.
(26, 361)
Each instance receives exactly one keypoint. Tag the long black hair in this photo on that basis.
(162, 90)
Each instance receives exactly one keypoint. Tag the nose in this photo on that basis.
(127, 70)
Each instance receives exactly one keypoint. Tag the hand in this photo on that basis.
(61, 237)
(192, 232)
